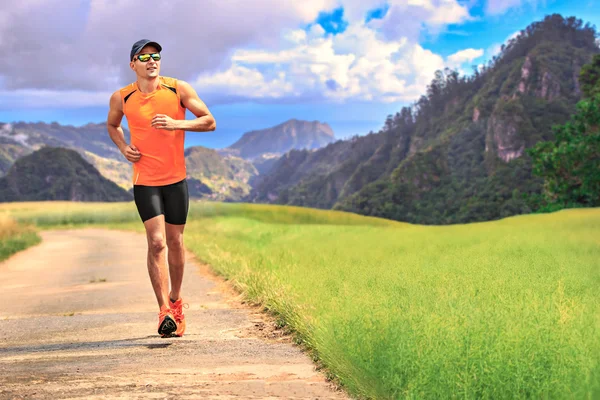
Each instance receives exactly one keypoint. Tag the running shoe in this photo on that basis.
(177, 310)
(166, 322)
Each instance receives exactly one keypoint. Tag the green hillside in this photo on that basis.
(53, 173)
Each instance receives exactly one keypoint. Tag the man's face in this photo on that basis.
(148, 69)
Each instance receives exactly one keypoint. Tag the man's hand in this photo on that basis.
(131, 153)
(162, 121)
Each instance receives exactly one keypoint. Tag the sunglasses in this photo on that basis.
(146, 57)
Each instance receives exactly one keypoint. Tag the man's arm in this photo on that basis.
(113, 124)
(205, 121)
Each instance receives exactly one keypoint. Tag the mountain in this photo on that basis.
(457, 155)
(91, 141)
(274, 141)
(312, 178)
(53, 173)
(216, 177)
(92, 137)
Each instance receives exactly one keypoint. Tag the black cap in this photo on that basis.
(139, 45)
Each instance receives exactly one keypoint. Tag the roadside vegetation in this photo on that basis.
(15, 237)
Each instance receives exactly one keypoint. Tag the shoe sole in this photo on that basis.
(167, 327)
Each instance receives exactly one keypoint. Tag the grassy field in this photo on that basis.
(503, 309)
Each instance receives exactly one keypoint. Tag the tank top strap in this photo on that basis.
(171, 84)
(126, 92)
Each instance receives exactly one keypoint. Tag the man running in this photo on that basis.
(155, 109)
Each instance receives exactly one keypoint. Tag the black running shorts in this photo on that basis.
(171, 200)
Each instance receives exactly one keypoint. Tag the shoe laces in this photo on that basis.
(178, 309)
(164, 311)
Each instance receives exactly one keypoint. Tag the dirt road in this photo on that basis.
(78, 320)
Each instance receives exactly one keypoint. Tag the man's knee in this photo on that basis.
(175, 243)
(156, 243)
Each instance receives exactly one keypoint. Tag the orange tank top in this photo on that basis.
(162, 161)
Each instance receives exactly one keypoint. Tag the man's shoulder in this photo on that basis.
(169, 81)
(127, 89)
(173, 82)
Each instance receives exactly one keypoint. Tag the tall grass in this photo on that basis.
(55, 214)
(15, 237)
(505, 309)
(502, 309)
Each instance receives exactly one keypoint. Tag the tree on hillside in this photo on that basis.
(570, 165)
(589, 77)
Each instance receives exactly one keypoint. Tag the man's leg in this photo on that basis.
(176, 201)
(176, 258)
(159, 274)
(157, 268)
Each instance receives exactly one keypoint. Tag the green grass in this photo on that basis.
(503, 309)
(15, 237)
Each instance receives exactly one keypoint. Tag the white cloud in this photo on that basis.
(407, 18)
(315, 31)
(497, 7)
(251, 81)
(463, 56)
(296, 36)
(378, 61)
(447, 12)
(355, 64)
(356, 10)
(462, 60)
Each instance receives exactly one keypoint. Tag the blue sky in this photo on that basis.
(349, 63)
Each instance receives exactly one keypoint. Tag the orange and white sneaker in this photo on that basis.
(177, 309)
(166, 322)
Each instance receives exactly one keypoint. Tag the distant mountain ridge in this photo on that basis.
(281, 138)
(212, 176)
(221, 175)
(90, 140)
(92, 137)
(54, 173)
